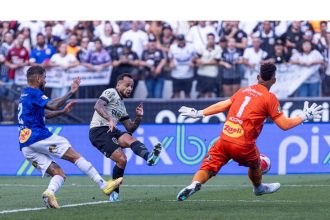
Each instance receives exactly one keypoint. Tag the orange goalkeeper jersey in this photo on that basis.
(248, 111)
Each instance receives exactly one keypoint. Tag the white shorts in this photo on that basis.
(40, 153)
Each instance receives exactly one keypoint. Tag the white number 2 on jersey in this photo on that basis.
(20, 110)
(243, 105)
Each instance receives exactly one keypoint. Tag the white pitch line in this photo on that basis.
(161, 186)
(41, 208)
(189, 201)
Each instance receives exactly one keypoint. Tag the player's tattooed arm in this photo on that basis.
(130, 125)
(55, 104)
(100, 109)
(67, 108)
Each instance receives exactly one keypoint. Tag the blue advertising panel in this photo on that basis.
(304, 149)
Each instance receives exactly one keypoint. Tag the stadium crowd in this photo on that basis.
(216, 54)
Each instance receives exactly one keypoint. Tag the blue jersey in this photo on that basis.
(31, 117)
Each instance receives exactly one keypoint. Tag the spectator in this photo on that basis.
(293, 37)
(59, 30)
(84, 52)
(138, 37)
(115, 51)
(152, 62)
(308, 58)
(182, 57)
(65, 61)
(128, 62)
(207, 63)
(326, 79)
(232, 70)
(198, 35)
(100, 59)
(3, 68)
(254, 55)
(279, 56)
(50, 38)
(35, 27)
(83, 59)
(231, 30)
(27, 38)
(106, 35)
(41, 54)
(267, 36)
(73, 47)
(321, 39)
(17, 57)
(166, 38)
(8, 40)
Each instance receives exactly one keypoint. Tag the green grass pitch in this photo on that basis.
(154, 197)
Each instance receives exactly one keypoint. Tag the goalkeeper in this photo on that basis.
(248, 108)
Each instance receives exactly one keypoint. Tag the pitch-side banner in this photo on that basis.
(288, 78)
(58, 77)
(304, 149)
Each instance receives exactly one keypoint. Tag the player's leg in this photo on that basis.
(86, 167)
(45, 164)
(126, 140)
(107, 143)
(61, 148)
(118, 170)
(211, 165)
(249, 156)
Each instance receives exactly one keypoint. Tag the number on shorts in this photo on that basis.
(244, 104)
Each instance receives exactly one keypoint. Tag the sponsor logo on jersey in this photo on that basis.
(44, 97)
(24, 135)
(232, 129)
(236, 120)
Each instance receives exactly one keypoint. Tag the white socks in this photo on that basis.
(55, 183)
(90, 171)
(193, 184)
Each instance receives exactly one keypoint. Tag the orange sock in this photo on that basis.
(202, 176)
(255, 176)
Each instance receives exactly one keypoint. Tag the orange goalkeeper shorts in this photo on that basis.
(222, 151)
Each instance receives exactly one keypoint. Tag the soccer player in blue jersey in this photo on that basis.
(39, 146)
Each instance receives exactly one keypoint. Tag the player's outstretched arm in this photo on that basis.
(67, 108)
(217, 107)
(57, 103)
(211, 110)
(309, 113)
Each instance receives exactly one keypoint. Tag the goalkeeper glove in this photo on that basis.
(191, 112)
(313, 112)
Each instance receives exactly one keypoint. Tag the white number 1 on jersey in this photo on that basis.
(244, 104)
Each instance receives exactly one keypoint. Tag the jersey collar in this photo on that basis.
(121, 97)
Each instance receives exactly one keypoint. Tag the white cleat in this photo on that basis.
(267, 188)
(186, 192)
(114, 197)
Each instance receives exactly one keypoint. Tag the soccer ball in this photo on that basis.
(264, 164)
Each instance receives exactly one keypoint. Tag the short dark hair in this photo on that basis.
(267, 70)
(98, 40)
(123, 75)
(40, 34)
(34, 70)
(211, 34)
